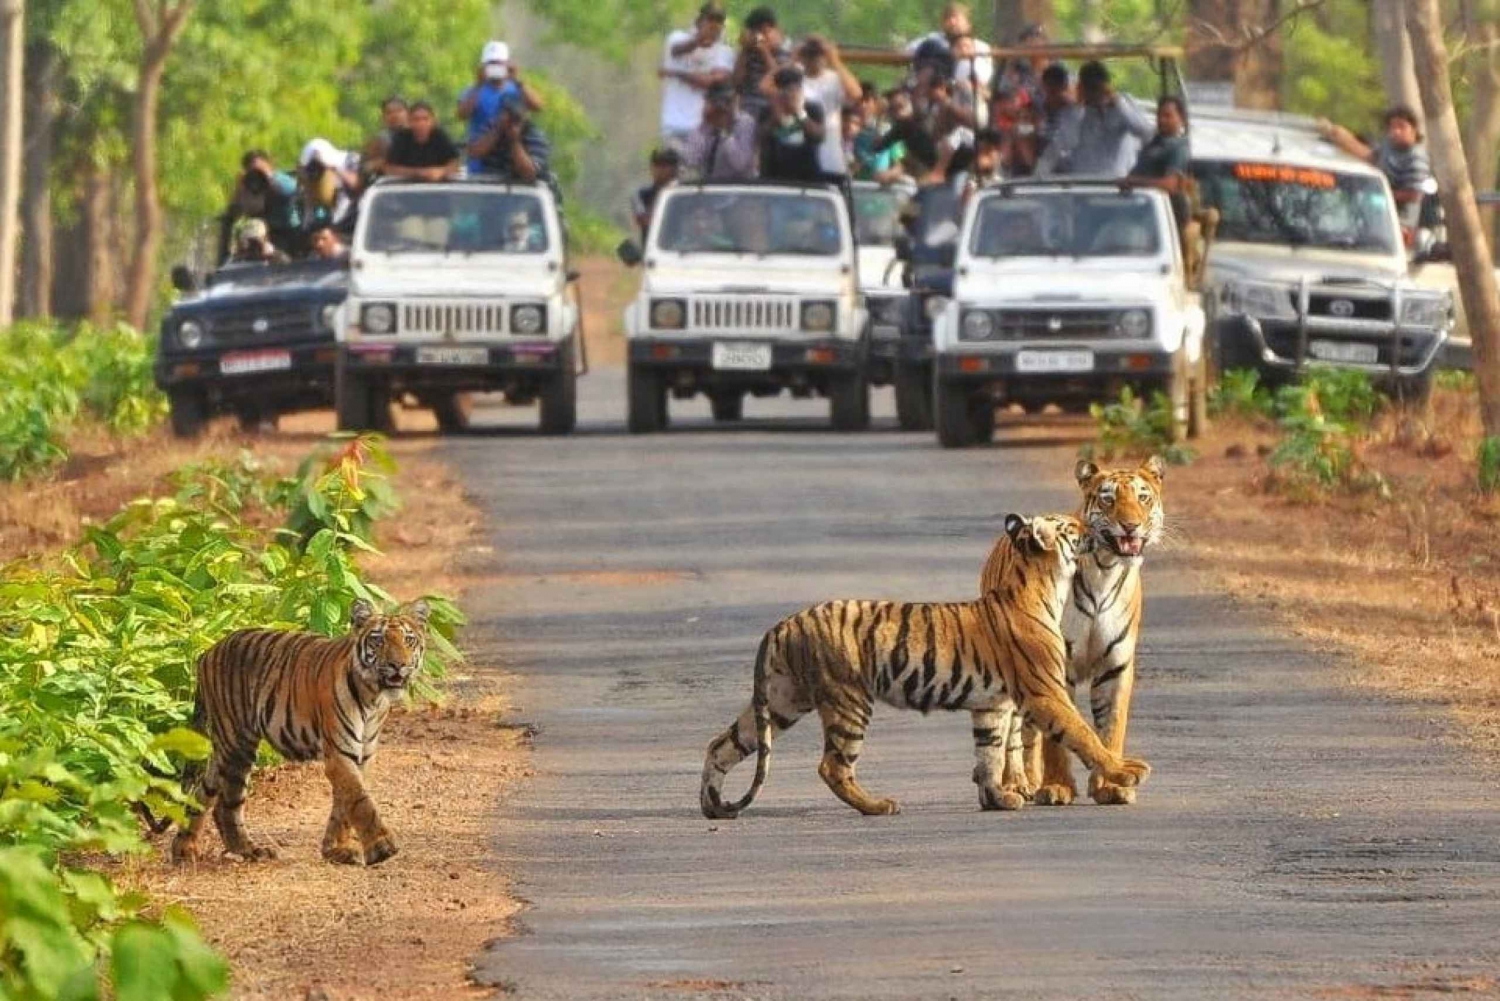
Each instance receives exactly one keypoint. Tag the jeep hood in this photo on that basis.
(749, 275)
(1062, 283)
(436, 276)
(1267, 262)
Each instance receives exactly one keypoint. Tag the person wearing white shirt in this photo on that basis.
(973, 63)
(827, 81)
(693, 61)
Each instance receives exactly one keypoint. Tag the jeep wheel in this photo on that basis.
(728, 406)
(913, 398)
(1415, 389)
(560, 398)
(189, 411)
(254, 420)
(453, 412)
(647, 401)
(849, 402)
(1179, 394)
(360, 404)
(963, 418)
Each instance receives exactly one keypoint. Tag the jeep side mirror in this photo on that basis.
(183, 279)
(903, 247)
(629, 253)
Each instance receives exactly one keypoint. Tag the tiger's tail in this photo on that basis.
(762, 704)
(720, 759)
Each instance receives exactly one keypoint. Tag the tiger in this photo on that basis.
(309, 697)
(1101, 625)
(994, 657)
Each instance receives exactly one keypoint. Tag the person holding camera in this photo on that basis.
(261, 192)
(763, 51)
(694, 61)
(497, 86)
(252, 244)
(514, 148)
(792, 132)
(1101, 135)
(723, 146)
(422, 151)
(330, 183)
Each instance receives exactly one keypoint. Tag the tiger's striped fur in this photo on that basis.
(993, 657)
(309, 697)
(1124, 514)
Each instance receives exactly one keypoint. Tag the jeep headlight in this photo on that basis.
(1425, 311)
(668, 314)
(1135, 324)
(191, 334)
(527, 319)
(1271, 302)
(977, 326)
(818, 316)
(934, 306)
(377, 318)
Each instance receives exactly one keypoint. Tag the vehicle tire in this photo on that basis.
(453, 412)
(646, 403)
(361, 405)
(849, 402)
(913, 398)
(1179, 393)
(189, 411)
(1415, 389)
(253, 420)
(954, 412)
(1198, 399)
(560, 398)
(728, 406)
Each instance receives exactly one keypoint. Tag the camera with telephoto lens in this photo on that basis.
(255, 248)
(315, 169)
(256, 181)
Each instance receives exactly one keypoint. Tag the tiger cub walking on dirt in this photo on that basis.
(1123, 511)
(310, 697)
(992, 656)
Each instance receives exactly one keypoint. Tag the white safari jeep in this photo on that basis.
(1065, 292)
(748, 287)
(457, 287)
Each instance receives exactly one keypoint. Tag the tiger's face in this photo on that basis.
(1055, 539)
(1123, 507)
(388, 648)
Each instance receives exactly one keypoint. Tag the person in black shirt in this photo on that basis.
(422, 151)
(792, 131)
(664, 166)
(763, 50)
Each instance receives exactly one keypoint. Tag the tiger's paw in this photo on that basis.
(252, 852)
(343, 854)
(380, 849)
(184, 849)
(1131, 772)
(1055, 795)
(1106, 794)
(882, 808)
(993, 798)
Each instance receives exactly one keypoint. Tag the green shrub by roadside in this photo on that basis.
(1489, 464)
(97, 662)
(1135, 428)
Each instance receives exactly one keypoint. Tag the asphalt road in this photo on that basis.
(1297, 838)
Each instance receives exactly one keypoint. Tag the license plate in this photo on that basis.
(250, 362)
(1345, 351)
(882, 332)
(742, 357)
(1055, 361)
(453, 356)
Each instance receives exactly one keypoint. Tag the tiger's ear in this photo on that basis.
(1085, 472)
(360, 612)
(419, 610)
(1015, 526)
(1154, 466)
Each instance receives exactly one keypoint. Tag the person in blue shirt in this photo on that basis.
(498, 86)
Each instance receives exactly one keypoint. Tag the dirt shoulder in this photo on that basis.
(1406, 586)
(299, 927)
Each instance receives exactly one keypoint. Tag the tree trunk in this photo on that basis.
(36, 198)
(1482, 24)
(12, 59)
(1392, 45)
(1471, 252)
(1257, 78)
(1210, 38)
(1010, 16)
(99, 258)
(160, 24)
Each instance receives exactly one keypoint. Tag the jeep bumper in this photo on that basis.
(693, 360)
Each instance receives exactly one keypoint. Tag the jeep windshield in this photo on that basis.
(1299, 207)
(435, 220)
(759, 222)
(877, 215)
(242, 277)
(1074, 224)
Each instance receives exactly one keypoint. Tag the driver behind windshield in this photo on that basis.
(1012, 232)
(703, 231)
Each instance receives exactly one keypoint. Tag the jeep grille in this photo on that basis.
(457, 318)
(1062, 324)
(744, 314)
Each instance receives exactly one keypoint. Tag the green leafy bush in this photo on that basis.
(1345, 396)
(347, 490)
(97, 663)
(1455, 380)
(1318, 418)
(1489, 464)
(1239, 393)
(1132, 427)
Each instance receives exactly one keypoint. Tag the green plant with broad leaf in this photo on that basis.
(1130, 427)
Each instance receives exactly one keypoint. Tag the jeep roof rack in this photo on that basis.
(762, 182)
(1067, 181)
(491, 179)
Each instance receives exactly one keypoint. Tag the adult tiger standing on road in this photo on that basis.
(1101, 625)
(309, 697)
(992, 657)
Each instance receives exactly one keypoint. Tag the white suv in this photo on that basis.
(1065, 292)
(455, 288)
(748, 287)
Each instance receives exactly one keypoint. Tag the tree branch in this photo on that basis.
(1249, 36)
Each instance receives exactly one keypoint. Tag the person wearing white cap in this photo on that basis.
(329, 181)
(497, 85)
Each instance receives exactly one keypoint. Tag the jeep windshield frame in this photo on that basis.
(469, 221)
(756, 222)
(1281, 205)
